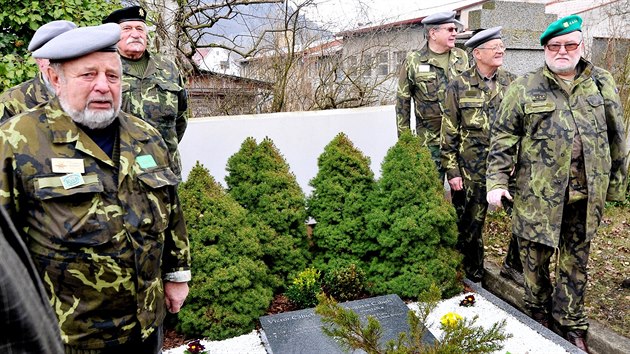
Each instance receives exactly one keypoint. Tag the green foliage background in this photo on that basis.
(230, 285)
(414, 225)
(339, 204)
(20, 19)
(260, 180)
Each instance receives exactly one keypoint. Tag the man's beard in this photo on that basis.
(89, 118)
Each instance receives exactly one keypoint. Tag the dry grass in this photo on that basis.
(606, 301)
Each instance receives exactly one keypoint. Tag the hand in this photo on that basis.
(494, 196)
(174, 295)
(456, 183)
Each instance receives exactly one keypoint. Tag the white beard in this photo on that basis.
(90, 119)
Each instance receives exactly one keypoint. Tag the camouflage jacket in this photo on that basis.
(421, 79)
(23, 97)
(104, 246)
(536, 116)
(159, 98)
(470, 108)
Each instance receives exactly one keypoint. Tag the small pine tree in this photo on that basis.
(413, 225)
(339, 204)
(260, 180)
(230, 287)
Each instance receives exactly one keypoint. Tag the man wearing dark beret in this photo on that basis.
(470, 108)
(29, 94)
(92, 193)
(154, 89)
(566, 122)
(423, 77)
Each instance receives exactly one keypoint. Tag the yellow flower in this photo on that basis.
(450, 319)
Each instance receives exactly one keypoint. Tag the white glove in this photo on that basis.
(494, 196)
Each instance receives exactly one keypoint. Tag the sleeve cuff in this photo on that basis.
(178, 277)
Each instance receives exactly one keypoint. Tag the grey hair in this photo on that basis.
(427, 30)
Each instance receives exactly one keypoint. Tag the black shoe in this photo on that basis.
(577, 337)
(541, 318)
(512, 274)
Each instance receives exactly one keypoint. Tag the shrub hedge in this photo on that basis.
(230, 285)
(260, 180)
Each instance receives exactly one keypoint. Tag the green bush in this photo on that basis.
(413, 225)
(305, 288)
(339, 204)
(260, 180)
(344, 283)
(230, 287)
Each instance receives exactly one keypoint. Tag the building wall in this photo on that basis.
(300, 137)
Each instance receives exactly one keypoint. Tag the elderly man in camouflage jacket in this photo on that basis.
(566, 121)
(470, 107)
(92, 193)
(153, 88)
(37, 90)
(423, 77)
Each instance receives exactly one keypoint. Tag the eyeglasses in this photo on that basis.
(450, 29)
(496, 48)
(569, 47)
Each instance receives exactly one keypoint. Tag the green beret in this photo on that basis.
(80, 41)
(133, 13)
(49, 31)
(562, 26)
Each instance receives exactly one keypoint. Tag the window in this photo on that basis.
(366, 65)
(383, 63)
(224, 64)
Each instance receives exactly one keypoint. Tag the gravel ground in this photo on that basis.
(524, 341)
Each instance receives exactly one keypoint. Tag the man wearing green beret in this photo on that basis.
(566, 122)
(153, 88)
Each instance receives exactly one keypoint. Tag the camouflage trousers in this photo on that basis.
(435, 156)
(470, 224)
(458, 198)
(565, 300)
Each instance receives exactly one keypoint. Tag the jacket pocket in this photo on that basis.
(159, 184)
(75, 216)
(539, 116)
(471, 109)
(427, 85)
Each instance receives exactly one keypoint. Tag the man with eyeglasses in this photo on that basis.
(470, 108)
(566, 122)
(423, 78)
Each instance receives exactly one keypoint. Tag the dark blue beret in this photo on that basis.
(133, 13)
(484, 36)
(441, 18)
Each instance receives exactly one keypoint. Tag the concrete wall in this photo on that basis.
(300, 137)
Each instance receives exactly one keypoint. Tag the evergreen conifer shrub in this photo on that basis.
(339, 204)
(413, 225)
(230, 287)
(260, 180)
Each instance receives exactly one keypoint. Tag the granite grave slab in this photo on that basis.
(300, 332)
